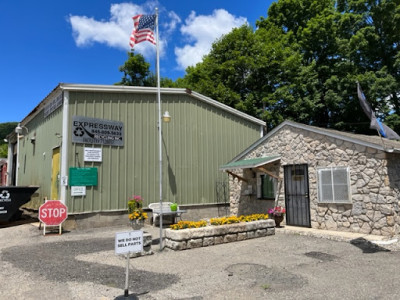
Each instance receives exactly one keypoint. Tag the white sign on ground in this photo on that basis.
(129, 242)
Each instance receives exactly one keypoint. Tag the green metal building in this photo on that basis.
(94, 146)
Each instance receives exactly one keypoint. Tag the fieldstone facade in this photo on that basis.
(374, 177)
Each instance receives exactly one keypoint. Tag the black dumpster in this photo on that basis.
(12, 198)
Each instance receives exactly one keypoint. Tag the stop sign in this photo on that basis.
(52, 212)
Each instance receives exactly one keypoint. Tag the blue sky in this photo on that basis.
(46, 42)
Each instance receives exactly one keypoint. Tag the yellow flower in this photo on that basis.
(219, 221)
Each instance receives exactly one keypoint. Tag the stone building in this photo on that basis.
(326, 179)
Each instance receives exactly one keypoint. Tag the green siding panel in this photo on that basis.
(36, 158)
(199, 139)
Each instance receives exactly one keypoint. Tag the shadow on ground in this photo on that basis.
(56, 261)
(22, 217)
(367, 247)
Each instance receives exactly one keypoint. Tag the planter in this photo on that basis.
(137, 224)
(214, 235)
(278, 219)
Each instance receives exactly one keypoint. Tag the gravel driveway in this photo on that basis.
(82, 265)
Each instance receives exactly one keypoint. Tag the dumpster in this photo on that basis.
(12, 198)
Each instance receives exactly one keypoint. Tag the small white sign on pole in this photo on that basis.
(129, 242)
(93, 154)
(78, 190)
(64, 180)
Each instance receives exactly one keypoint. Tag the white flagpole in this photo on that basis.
(159, 128)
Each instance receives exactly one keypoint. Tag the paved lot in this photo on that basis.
(82, 265)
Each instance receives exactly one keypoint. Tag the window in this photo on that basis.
(334, 185)
(266, 187)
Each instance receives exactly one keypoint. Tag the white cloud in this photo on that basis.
(174, 20)
(202, 31)
(199, 31)
(115, 32)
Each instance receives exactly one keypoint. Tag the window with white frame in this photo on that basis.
(334, 185)
(266, 187)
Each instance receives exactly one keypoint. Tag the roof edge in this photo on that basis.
(228, 108)
(271, 159)
(315, 130)
(139, 89)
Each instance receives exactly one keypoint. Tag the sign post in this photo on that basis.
(127, 243)
(52, 213)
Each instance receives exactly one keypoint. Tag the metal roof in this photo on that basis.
(250, 163)
(375, 142)
(136, 89)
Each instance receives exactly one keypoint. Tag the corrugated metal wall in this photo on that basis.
(36, 158)
(196, 142)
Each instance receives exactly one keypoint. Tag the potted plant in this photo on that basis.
(136, 213)
(277, 212)
(174, 206)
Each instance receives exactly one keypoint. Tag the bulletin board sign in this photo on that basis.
(83, 176)
(92, 154)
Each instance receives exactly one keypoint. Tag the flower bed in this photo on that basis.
(214, 235)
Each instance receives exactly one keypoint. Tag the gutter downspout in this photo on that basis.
(9, 163)
(64, 149)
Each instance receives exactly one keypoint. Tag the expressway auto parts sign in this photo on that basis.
(97, 131)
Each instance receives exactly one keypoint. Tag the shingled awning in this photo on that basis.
(250, 163)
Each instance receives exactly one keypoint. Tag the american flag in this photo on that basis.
(383, 129)
(143, 29)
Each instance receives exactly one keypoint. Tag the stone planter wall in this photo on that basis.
(214, 235)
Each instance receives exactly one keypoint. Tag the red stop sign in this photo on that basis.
(52, 212)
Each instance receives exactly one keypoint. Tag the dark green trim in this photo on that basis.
(250, 163)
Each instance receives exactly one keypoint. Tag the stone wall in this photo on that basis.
(243, 203)
(374, 179)
(213, 235)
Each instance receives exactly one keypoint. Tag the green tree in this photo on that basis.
(226, 73)
(303, 61)
(137, 73)
(310, 92)
(135, 69)
(342, 42)
(374, 50)
(5, 129)
(3, 151)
